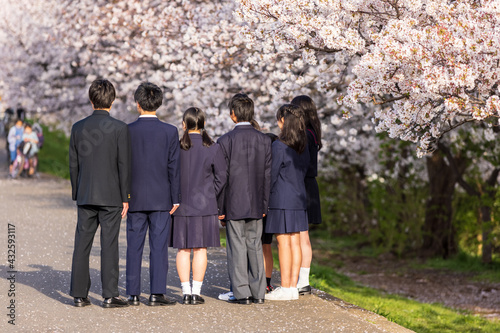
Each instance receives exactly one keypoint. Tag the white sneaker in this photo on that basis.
(295, 293)
(225, 296)
(279, 294)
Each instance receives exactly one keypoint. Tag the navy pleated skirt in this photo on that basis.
(190, 232)
(283, 221)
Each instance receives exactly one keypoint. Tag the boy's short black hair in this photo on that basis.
(149, 96)
(242, 107)
(102, 94)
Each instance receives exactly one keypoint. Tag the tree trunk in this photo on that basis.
(438, 232)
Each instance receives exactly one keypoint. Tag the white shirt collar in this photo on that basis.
(148, 116)
(241, 123)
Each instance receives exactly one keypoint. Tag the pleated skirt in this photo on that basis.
(283, 221)
(190, 232)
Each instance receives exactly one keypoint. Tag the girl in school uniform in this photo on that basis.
(195, 225)
(287, 215)
(314, 144)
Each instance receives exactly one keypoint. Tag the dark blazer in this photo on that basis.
(203, 176)
(313, 146)
(248, 157)
(99, 161)
(288, 171)
(155, 165)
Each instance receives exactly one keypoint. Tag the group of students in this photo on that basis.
(24, 145)
(252, 183)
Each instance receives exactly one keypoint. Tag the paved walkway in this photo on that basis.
(42, 217)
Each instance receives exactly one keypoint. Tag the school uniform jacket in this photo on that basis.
(99, 160)
(248, 158)
(288, 171)
(203, 177)
(155, 184)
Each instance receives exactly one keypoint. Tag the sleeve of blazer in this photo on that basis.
(267, 175)
(220, 176)
(276, 165)
(221, 202)
(174, 166)
(73, 165)
(124, 161)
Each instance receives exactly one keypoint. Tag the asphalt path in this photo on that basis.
(38, 221)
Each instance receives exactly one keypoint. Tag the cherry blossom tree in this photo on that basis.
(435, 61)
(420, 69)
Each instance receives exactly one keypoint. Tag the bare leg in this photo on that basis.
(268, 259)
(285, 257)
(183, 261)
(199, 263)
(296, 258)
(306, 249)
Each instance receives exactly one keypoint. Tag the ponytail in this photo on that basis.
(185, 141)
(194, 119)
(206, 139)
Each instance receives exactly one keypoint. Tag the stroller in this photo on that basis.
(24, 165)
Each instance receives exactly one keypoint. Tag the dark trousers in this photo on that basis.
(159, 224)
(89, 218)
(245, 260)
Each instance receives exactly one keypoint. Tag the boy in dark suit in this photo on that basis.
(99, 165)
(248, 156)
(155, 194)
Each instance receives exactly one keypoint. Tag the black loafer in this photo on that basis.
(197, 299)
(186, 300)
(81, 301)
(305, 290)
(133, 300)
(114, 302)
(246, 300)
(258, 300)
(156, 300)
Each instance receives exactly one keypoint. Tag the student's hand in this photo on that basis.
(263, 215)
(222, 217)
(125, 209)
(174, 208)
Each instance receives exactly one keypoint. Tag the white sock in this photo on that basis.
(303, 277)
(197, 287)
(186, 288)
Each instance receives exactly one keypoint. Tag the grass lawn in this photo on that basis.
(420, 317)
(53, 157)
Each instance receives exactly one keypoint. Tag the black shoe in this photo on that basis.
(246, 300)
(114, 302)
(186, 300)
(133, 300)
(258, 300)
(197, 299)
(305, 290)
(159, 299)
(81, 301)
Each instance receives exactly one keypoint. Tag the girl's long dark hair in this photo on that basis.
(194, 119)
(293, 133)
(311, 115)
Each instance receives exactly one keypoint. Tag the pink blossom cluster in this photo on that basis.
(425, 67)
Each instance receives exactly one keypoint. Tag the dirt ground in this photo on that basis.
(453, 289)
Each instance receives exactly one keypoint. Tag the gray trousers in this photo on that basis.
(245, 260)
